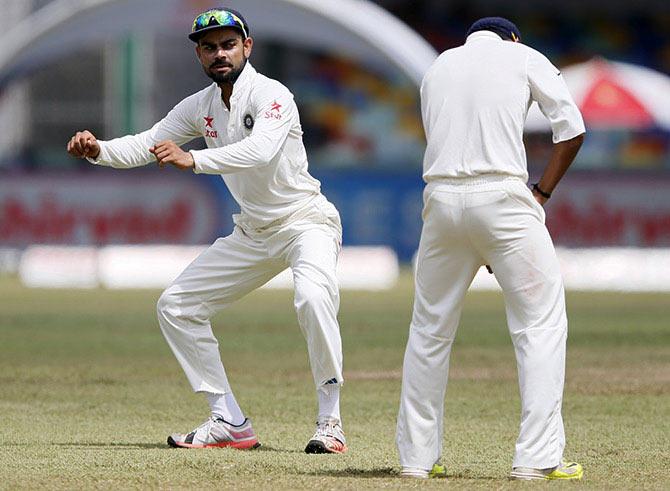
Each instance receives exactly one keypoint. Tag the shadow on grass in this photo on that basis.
(469, 477)
(386, 472)
(120, 446)
(130, 445)
(380, 472)
(266, 448)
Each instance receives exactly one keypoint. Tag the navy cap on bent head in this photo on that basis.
(217, 18)
(504, 28)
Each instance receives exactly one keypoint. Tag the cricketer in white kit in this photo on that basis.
(254, 138)
(478, 211)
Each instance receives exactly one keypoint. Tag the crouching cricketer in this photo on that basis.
(254, 138)
(477, 211)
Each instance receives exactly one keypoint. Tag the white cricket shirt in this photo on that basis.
(474, 102)
(256, 146)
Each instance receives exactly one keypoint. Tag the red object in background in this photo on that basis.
(613, 210)
(609, 104)
(614, 95)
(106, 210)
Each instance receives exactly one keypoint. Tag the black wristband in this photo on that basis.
(537, 189)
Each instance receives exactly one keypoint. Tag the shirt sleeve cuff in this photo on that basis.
(100, 159)
(568, 133)
(197, 164)
(201, 164)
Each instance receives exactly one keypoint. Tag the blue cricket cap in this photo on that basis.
(504, 28)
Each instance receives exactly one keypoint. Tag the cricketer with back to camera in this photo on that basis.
(478, 211)
(252, 129)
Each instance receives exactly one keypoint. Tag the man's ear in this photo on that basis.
(197, 50)
(248, 46)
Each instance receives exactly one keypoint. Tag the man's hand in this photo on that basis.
(83, 144)
(539, 198)
(168, 152)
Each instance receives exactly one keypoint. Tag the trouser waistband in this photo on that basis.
(477, 181)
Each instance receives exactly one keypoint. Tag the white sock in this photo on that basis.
(329, 401)
(225, 406)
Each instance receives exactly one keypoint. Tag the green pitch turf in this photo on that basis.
(89, 391)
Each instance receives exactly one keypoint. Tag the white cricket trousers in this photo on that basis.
(238, 264)
(469, 223)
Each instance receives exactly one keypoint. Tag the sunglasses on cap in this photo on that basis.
(216, 18)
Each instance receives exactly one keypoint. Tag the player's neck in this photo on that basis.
(226, 92)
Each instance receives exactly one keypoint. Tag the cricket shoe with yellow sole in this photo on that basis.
(216, 432)
(567, 470)
(328, 438)
(438, 471)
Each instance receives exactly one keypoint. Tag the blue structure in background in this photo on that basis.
(377, 207)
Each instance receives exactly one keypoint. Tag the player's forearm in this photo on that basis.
(562, 155)
(126, 152)
(254, 151)
(133, 150)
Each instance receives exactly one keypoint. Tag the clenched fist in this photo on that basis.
(168, 152)
(83, 144)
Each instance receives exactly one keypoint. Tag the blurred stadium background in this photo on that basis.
(115, 67)
(88, 387)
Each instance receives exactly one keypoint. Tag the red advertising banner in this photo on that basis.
(587, 209)
(95, 210)
(608, 210)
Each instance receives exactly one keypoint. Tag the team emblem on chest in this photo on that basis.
(209, 123)
(248, 121)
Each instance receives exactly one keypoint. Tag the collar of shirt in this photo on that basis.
(482, 35)
(244, 81)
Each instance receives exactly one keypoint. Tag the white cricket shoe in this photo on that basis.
(564, 471)
(329, 438)
(217, 433)
(438, 470)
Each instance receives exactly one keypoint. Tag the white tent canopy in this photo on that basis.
(354, 28)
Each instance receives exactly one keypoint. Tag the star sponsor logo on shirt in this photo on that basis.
(274, 112)
(209, 123)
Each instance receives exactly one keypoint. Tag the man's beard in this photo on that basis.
(225, 78)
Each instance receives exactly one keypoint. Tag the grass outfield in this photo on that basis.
(89, 391)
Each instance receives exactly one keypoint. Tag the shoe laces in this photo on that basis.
(206, 426)
(212, 421)
(329, 428)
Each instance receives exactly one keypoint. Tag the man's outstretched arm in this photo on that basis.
(135, 150)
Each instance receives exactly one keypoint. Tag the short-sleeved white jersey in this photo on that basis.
(474, 102)
(256, 146)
